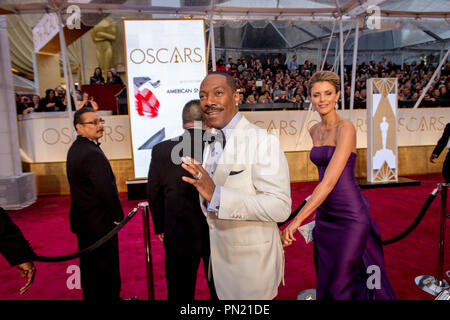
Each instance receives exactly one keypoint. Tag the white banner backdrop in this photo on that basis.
(166, 63)
(48, 139)
(416, 127)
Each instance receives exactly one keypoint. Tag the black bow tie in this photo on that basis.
(216, 136)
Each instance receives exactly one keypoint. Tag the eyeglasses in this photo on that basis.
(95, 122)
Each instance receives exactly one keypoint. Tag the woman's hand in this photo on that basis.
(28, 110)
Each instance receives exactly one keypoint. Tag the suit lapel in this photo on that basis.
(206, 152)
(226, 160)
(224, 166)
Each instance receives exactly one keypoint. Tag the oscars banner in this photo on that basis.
(382, 114)
(166, 62)
(47, 136)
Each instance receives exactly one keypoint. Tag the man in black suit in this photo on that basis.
(95, 208)
(442, 143)
(16, 249)
(174, 204)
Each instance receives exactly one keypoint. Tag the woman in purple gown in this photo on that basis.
(348, 254)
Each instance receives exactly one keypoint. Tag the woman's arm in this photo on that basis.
(94, 105)
(346, 142)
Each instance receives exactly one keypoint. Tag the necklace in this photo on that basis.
(325, 130)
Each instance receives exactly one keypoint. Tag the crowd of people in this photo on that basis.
(57, 99)
(54, 100)
(111, 77)
(273, 82)
(269, 81)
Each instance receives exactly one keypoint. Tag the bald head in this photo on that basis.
(192, 112)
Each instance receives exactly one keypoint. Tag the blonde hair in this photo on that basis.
(325, 76)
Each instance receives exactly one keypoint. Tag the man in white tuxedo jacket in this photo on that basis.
(244, 191)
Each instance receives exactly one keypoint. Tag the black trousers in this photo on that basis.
(100, 272)
(181, 266)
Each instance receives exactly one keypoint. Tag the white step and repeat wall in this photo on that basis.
(47, 139)
(166, 62)
(47, 136)
(418, 127)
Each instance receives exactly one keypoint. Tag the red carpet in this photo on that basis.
(45, 224)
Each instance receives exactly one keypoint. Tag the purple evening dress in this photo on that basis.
(347, 240)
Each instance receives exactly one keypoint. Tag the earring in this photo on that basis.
(336, 106)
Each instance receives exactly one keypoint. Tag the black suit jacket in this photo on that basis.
(13, 245)
(442, 143)
(95, 201)
(174, 204)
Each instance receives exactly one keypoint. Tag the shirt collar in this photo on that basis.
(92, 140)
(231, 125)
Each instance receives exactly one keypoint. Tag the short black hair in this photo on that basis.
(192, 111)
(230, 80)
(77, 116)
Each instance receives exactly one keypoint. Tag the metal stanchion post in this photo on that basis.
(148, 251)
(441, 282)
(431, 284)
(308, 294)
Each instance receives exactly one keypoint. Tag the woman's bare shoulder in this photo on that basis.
(313, 128)
(346, 134)
(346, 125)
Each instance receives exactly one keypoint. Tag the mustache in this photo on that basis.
(212, 109)
(100, 130)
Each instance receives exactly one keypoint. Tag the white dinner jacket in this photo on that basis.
(247, 257)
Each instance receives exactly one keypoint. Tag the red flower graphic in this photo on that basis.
(147, 104)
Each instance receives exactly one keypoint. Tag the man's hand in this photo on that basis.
(27, 270)
(202, 181)
(432, 157)
(161, 236)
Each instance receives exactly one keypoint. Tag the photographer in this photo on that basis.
(87, 102)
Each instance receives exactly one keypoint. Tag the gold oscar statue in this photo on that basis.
(103, 34)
